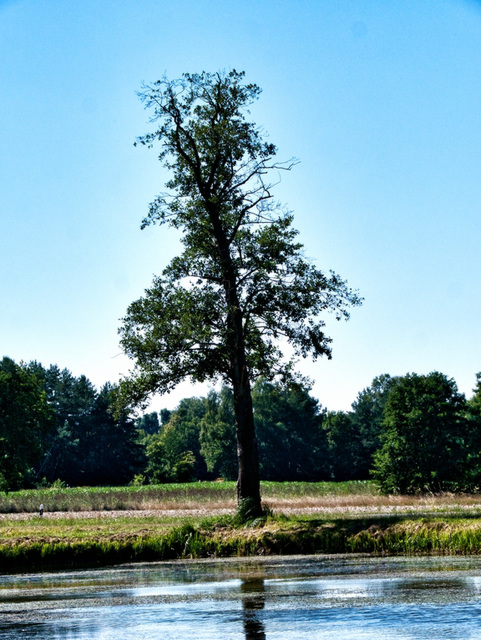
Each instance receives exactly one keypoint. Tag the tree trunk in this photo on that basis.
(248, 482)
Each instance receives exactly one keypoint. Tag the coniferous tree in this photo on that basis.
(367, 419)
(25, 421)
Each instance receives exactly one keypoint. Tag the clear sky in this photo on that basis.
(380, 100)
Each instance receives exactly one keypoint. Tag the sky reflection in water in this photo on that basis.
(251, 599)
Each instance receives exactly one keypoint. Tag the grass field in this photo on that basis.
(99, 526)
(173, 496)
(204, 498)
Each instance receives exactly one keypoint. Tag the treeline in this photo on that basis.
(56, 427)
(414, 433)
(411, 433)
(197, 440)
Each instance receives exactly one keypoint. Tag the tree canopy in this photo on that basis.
(56, 427)
(423, 443)
(25, 420)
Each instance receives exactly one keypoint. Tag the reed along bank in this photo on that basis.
(36, 545)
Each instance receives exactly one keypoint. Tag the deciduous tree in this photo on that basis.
(217, 434)
(241, 288)
(343, 441)
(423, 443)
(292, 442)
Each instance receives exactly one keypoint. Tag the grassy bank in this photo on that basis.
(42, 545)
(90, 527)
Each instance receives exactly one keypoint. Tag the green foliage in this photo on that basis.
(423, 445)
(473, 439)
(344, 445)
(58, 484)
(113, 453)
(474, 403)
(217, 434)
(241, 288)
(87, 445)
(367, 418)
(148, 423)
(155, 470)
(174, 455)
(25, 421)
(292, 443)
(233, 233)
(181, 435)
(184, 468)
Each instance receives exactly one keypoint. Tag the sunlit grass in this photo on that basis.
(72, 529)
(336, 498)
(40, 544)
(165, 496)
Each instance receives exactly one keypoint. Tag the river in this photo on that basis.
(306, 598)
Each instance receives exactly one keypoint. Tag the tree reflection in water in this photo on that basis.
(253, 600)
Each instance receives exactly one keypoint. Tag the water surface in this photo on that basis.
(342, 598)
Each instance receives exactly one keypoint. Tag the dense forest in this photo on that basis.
(410, 433)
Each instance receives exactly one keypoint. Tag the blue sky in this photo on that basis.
(380, 100)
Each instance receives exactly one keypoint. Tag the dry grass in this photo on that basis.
(375, 504)
(177, 511)
(200, 502)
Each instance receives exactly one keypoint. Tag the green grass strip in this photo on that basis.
(222, 538)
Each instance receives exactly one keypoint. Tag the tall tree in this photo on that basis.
(88, 444)
(25, 421)
(241, 285)
(473, 440)
(367, 419)
(72, 400)
(148, 423)
(217, 434)
(475, 401)
(423, 443)
(174, 454)
(344, 445)
(110, 450)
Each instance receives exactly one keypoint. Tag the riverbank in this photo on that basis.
(92, 527)
(63, 544)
